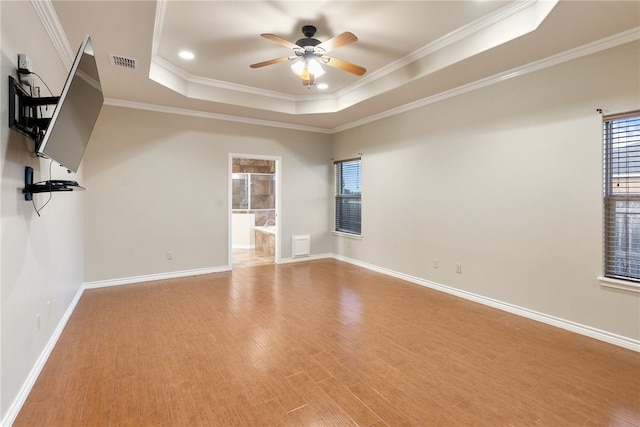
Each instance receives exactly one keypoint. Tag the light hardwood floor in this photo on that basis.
(321, 343)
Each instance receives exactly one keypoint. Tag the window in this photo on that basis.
(348, 181)
(622, 196)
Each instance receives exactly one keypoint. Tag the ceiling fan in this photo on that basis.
(310, 55)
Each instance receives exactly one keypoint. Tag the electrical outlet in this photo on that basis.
(38, 322)
(436, 263)
(24, 63)
(48, 308)
(170, 255)
(24, 69)
(459, 268)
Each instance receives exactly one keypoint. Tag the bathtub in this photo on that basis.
(265, 239)
(270, 229)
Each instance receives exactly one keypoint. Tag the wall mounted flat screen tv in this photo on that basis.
(75, 114)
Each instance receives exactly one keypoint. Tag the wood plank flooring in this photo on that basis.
(321, 343)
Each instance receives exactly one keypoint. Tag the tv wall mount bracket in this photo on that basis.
(23, 111)
(25, 118)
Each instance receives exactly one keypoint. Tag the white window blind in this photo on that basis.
(348, 194)
(621, 136)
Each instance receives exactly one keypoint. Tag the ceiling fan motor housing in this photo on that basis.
(309, 31)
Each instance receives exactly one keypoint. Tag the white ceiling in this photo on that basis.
(414, 51)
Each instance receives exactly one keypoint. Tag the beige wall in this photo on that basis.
(505, 180)
(42, 258)
(160, 182)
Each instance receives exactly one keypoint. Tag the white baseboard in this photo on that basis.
(237, 246)
(305, 258)
(152, 277)
(17, 403)
(578, 328)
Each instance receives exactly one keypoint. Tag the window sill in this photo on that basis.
(349, 235)
(619, 284)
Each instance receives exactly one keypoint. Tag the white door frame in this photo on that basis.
(277, 159)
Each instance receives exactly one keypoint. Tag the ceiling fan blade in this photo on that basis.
(269, 62)
(337, 41)
(280, 41)
(344, 65)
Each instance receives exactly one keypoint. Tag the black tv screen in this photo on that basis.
(75, 114)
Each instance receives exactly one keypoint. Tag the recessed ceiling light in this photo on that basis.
(185, 54)
(322, 86)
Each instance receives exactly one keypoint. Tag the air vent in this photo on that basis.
(122, 61)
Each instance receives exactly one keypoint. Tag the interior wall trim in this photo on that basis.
(291, 260)
(216, 116)
(152, 277)
(17, 403)
(184, 273)
(53, 27)
(558, 59)
(608, 337)
(570, 55)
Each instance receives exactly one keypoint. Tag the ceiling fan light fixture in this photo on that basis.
(303, 68)
(309, 55)
(298, 68)
(315, 68)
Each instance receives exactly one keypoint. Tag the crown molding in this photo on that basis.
(579, 52)
(51, 23)
(49, 18)
(447, 40)
(158, 23)
(168, 66)
(487, 32)
(214, 116)
(189, 83)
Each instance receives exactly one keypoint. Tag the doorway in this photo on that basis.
(254, 194)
